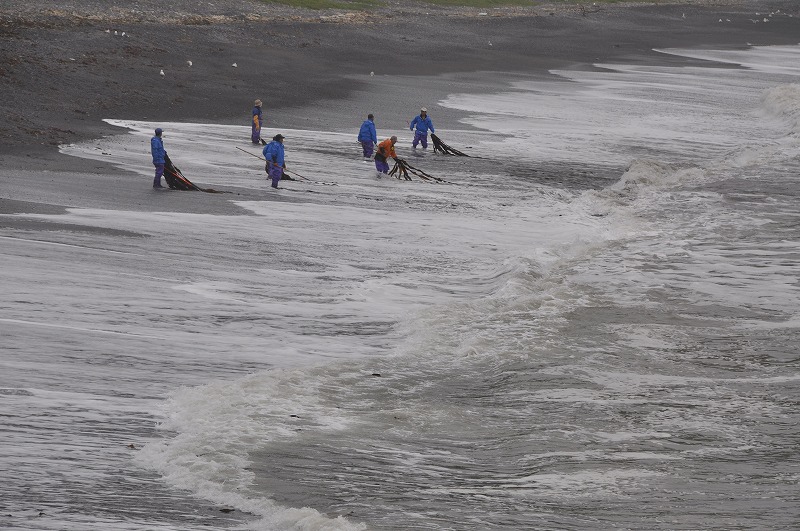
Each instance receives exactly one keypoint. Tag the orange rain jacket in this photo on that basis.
(386, 149)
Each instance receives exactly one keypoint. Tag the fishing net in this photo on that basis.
(404, 170)
(176, 180)
(444, 149)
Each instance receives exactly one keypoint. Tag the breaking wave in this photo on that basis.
(784, 102)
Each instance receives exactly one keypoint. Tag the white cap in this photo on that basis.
(423, 109)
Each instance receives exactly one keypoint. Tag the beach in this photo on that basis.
(592, 327)
(66, 69)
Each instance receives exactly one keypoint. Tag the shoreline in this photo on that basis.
(66, 78)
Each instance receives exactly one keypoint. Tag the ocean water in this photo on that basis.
(594, 327)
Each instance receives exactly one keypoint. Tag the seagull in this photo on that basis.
(234, 65)
(123, 33)
(189, 63)
(161, 73)
(372, 73)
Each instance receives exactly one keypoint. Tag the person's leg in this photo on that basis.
(416, 140)
(424, 140)
(382, 167)
(276, 172)
(367, 146)
(159, 173)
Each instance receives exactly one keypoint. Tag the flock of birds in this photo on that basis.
(189, 63)
(766, 19)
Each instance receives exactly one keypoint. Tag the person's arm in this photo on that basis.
(374, 134)
(413, 123)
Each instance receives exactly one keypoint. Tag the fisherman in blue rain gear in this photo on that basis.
(159, 157)
(273, 154)
(368, 136)
(422, 123)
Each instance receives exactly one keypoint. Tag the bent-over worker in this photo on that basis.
(273, 154)
(385, 150)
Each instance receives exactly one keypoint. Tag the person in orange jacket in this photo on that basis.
(384, 151)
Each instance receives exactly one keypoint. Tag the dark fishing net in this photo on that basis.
(444, 149)
(176, 180)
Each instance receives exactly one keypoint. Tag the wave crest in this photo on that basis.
(784, 102)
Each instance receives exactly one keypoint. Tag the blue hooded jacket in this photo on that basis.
(157, 149)
(423, 124)
(368, 132)
(273, 152)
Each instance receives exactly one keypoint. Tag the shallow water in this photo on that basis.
(593, 328)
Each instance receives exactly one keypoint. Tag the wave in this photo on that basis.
(217, 425)
(783, 101)
(646, 172)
